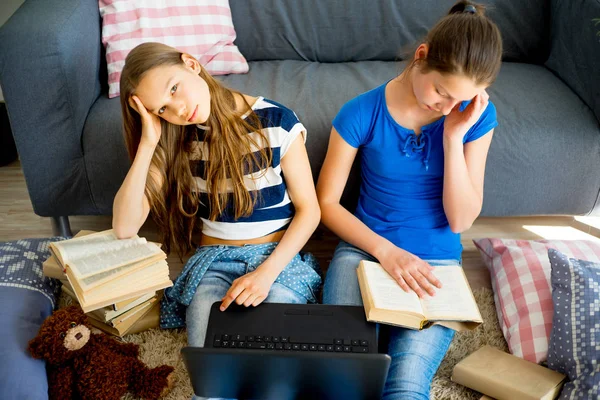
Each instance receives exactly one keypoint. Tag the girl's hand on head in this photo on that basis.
(249, 290)
(457, 123)
(151, 129)
(409, 271)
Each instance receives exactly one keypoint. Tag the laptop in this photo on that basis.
(288, 351)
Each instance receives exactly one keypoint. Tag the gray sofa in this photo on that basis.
(313, 56)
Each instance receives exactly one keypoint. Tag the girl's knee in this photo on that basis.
(281, 294)
(198, 312)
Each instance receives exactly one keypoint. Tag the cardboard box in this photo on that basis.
(506, 377)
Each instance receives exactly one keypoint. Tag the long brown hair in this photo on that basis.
(464, 42)
(174, 204)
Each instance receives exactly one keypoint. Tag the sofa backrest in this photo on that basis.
(357, 30)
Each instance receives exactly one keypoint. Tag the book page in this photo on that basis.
(81, 246)
(102, 277)
(454, 300)
(113, 255)
(386, 292)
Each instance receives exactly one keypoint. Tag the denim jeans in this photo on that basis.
(416, 355)
(214, 285)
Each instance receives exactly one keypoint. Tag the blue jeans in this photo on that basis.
(416, 355)
(214, 285)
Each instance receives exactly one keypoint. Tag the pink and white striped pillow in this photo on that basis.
(520, 272)
(202, 28)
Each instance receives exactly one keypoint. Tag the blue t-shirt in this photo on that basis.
(402, 175)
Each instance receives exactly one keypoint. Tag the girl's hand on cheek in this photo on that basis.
(151, 129)
(457, 123)
(249, 290)
(409, 271)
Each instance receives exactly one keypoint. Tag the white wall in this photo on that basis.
(7, 8)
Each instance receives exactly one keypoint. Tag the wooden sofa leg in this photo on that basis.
(61, 226)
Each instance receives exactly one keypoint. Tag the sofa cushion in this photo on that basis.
(202, 28)
(575, 339)
(520, 274)
(543, 128)
(358, 30)
(27, 298)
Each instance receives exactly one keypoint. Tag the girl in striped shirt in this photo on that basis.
(208, 157)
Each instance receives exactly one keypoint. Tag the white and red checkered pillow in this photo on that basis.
(520, 272)
(202, 28)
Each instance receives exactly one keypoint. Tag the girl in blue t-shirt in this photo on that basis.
(423, 139)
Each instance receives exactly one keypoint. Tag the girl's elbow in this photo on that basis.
(315, 214)
(123, 231)
(311, 214)
(325, 206)
(459, 227)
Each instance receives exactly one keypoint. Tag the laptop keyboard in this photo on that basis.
(279, 343)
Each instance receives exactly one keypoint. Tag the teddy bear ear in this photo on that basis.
(73, 308)
(36, 347)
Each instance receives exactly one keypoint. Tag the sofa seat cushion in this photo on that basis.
(545, 132)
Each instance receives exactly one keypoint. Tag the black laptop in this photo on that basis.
(288, 351)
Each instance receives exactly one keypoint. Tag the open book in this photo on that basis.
(384, 300)
(100, 257)
(104, 271)
(149, 279)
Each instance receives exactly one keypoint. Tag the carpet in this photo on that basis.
(163, 347)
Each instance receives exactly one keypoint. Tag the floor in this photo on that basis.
(18, 221)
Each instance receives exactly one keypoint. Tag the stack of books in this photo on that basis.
(117, 282)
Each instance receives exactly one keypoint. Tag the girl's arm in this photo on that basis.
(253, 288)
(464, 165)
(464, 169)
(330, 186)
(131, 206)
(409, 270)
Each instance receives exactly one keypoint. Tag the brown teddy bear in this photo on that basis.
(85, 365)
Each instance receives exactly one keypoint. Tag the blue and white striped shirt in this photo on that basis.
(273, 209)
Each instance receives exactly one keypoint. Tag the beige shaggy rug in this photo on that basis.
(163, 347)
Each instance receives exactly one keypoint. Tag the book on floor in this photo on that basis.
(108, 313)
(146, 318)
(125, 304)
(132, 315)
(384, 300)
(138, 321)
(504, 376)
